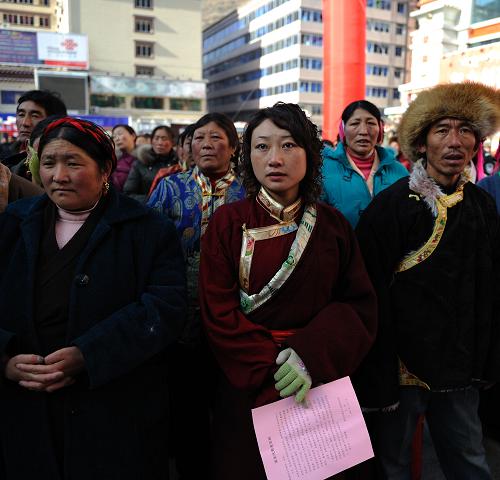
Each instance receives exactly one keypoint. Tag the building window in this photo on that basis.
(143, 3)
(315, 87)
(18, 19)
(143, 25)
(144, 49)
(313, 40)
(112, 101)
(485, 10)
(376, 26)
(377, 92)
(45, 3)
(29, 2)
(185, 104)
(398, 51)
(311, 63)
(44, 22)
(152, 103)
(395, 94)
(377, 70)
(307, 15)
(380, 48)
(400, 29)
(317, 109)
(281, 22)
(144, 70)
(401, 7)
(398, 73)
(381, 4)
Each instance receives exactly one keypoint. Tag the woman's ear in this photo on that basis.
(106, 171)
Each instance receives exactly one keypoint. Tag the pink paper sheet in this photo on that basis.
(316, 442)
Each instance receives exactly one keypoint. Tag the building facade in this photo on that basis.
(269, 51)
(456, 40)
(143, 58)
(15, 78)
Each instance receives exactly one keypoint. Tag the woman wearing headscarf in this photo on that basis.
(358, 168)
(189, 199)
(274, 328)
(92, 291)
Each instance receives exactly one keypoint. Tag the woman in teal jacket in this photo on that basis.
(358, 168)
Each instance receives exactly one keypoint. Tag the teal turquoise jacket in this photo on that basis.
(346, 190)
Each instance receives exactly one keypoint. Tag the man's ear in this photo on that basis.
(478, 145)
(422, 149)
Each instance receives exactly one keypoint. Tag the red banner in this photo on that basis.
(344, 47)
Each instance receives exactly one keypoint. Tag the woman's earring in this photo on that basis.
(105, 187)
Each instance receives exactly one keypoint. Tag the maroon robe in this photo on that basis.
(328, 298)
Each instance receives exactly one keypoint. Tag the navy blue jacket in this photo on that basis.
(127, 305)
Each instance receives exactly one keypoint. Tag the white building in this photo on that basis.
(456, 40)
(269, 51)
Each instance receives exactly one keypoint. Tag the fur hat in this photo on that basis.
(473, 102)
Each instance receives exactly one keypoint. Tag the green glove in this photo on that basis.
(292, 377)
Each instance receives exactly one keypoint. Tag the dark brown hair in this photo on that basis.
(290, 117)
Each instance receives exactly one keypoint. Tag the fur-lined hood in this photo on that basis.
(427, 188)
(473, 102)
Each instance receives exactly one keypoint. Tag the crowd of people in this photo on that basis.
(154, 290)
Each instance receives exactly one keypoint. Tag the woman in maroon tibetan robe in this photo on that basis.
(279, 271)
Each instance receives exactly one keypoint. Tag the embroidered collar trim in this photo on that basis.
(249, 303)
(275, 209)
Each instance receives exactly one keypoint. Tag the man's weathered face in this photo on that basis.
(449, 146)
(28, 114)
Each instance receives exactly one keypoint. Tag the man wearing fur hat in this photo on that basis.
(431, 245)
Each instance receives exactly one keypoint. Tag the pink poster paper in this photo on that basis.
(313, 442)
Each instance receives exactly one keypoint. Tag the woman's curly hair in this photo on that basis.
(290, 117)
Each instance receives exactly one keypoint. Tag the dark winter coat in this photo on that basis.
(440, 317)
(127, 305)
(144, 171)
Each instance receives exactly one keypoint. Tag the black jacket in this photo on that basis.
(144, 171)
(440, 317)
(127, 305)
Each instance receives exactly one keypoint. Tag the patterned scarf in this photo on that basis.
(212, 199)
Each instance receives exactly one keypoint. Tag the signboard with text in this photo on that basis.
(147, 87)
(44, 48)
